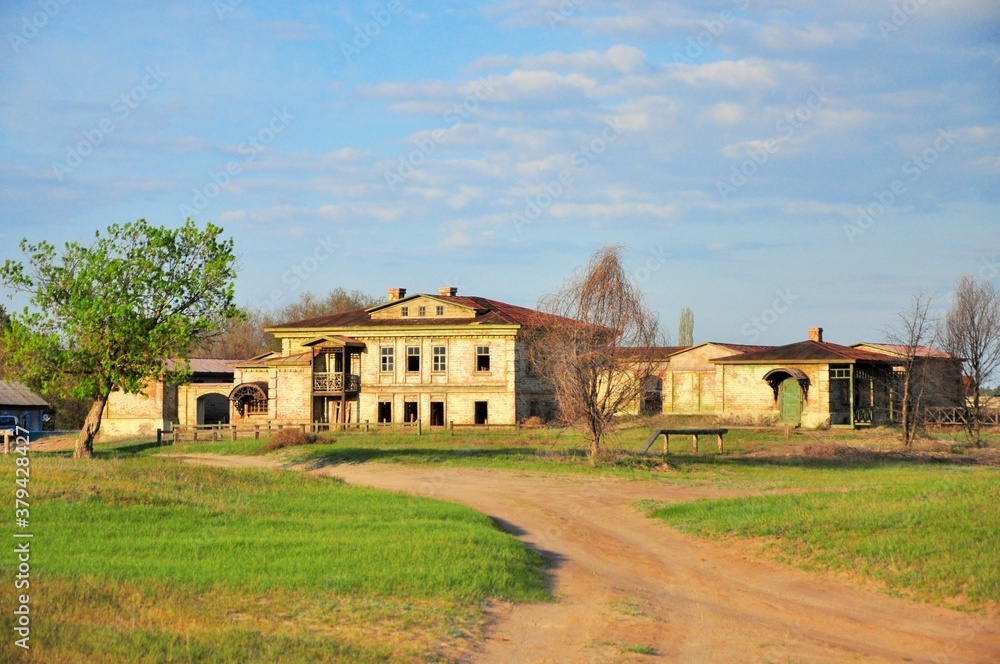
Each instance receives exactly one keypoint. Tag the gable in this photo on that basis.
(412, 306)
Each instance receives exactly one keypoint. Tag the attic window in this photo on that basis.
(421, 311)
(404, 311)
(439, 310)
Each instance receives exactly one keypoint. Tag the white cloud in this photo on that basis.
(753, 73)
(726, 113)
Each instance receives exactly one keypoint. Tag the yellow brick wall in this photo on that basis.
(743, 396)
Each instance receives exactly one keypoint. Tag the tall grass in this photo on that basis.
(192, 552)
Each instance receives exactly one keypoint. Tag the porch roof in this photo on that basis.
(810, 352)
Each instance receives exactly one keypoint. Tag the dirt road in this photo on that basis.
(628, 586)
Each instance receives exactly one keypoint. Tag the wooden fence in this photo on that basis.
(954, 416)
(218, 432)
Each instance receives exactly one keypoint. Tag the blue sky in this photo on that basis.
(772, 165)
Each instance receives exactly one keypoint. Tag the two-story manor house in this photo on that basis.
(434, 358)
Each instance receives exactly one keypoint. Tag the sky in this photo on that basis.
(774, 166)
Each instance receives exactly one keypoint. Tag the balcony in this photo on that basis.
(336, 381)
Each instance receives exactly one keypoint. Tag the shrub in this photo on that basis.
(289, 437)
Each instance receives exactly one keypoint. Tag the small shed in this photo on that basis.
(17, 400)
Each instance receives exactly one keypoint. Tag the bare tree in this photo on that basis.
(913, 332)
(972, 332)
(685, 335)
(595, 348)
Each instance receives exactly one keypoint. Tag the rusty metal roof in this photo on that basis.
(902, 350)
(17, 394)
(653, 352)
(274, 358)
(488, 312)
(202, 365)
(809, 351)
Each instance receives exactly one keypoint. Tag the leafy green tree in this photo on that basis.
(106, 316)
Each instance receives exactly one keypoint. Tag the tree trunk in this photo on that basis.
(85, 443)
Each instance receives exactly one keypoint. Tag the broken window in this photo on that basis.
(413, 358)
(482, 358)
(385, 412)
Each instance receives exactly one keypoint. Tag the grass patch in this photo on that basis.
(145, 559)
(933, 534)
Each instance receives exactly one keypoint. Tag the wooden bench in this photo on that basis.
(694, 433)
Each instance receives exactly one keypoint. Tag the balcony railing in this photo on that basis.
(336, 381)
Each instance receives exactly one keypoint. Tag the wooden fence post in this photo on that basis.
(451, 427)
(695, 443)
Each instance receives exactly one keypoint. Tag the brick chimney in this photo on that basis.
(396, 294)
(816, 334)
(448, 291)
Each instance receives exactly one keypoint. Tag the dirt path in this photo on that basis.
(627, 582)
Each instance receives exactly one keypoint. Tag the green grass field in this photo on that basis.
(922, 524)
(145, 559)
(933, 534)
(141, 558)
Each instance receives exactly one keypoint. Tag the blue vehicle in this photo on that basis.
(8, 424)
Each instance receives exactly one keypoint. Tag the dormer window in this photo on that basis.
(404, 311)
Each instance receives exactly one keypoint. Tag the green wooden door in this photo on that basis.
(790, 397)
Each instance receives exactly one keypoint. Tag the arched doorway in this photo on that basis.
(790, 387)
(213, 408)
(790, 401)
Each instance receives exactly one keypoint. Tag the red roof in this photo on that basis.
(202, 365)
(654, 352)
(275, 357)
(488, 312)
(901, 349)
(742, 348)
(809, 351)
